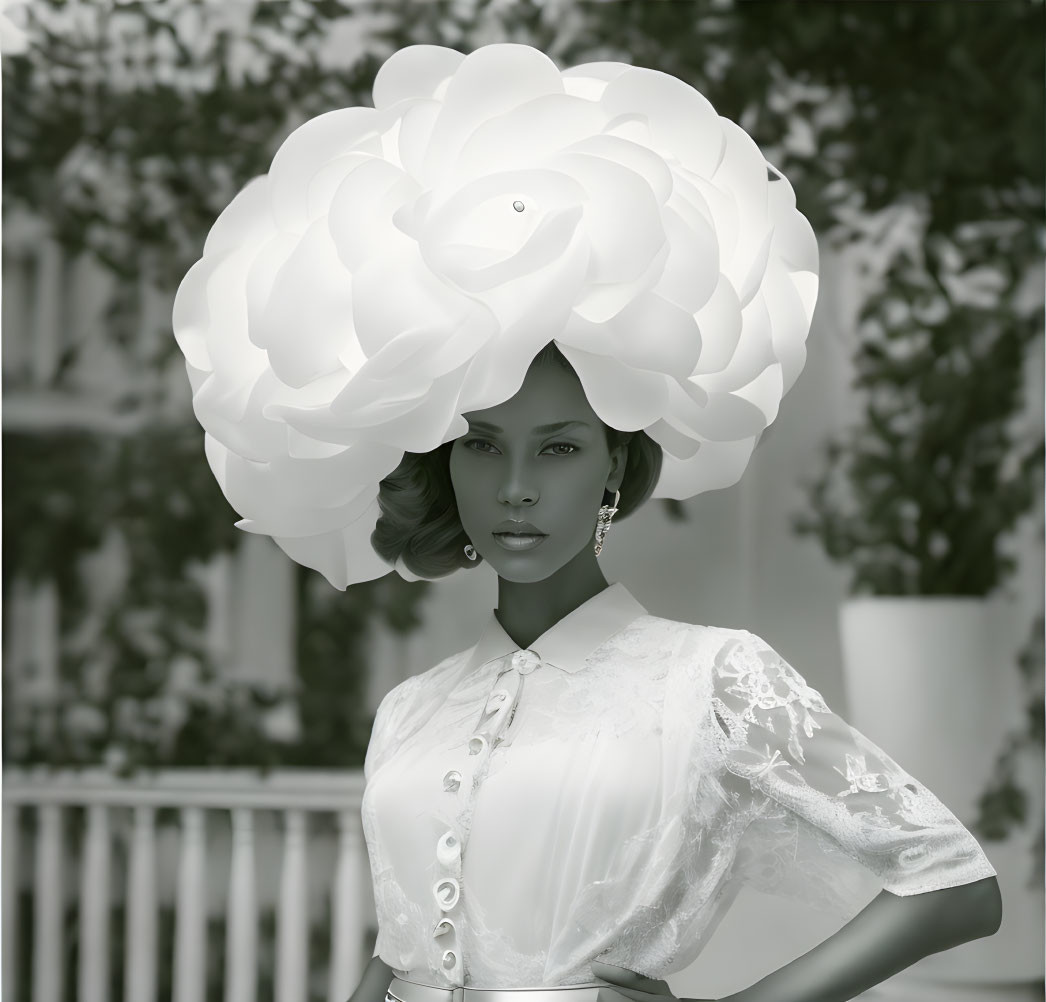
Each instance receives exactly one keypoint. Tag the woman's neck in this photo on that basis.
(527, 609)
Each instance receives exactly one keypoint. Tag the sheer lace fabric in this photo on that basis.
(607, 792)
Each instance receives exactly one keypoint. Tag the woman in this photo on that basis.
(471, 324)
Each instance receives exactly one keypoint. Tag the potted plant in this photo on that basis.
(918, 499)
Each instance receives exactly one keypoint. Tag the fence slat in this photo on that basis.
(10, 884)
(93, 974)
(140, 965)
(190, 944)
(347, 915)
(48, 901)
(292, 925)
(242, 920)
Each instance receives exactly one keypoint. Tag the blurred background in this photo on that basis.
(186, 711)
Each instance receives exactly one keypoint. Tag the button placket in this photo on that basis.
(447, 893)
(502, 702)
(495, 717)
(447, 890)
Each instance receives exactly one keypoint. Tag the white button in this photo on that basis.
(449, 960)
(525, 661)
(442, 927)
(448, 849)
(447, 891)
(451, 780)
(477, 743)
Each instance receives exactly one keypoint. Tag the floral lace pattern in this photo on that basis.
(615, 806)
(831, 779)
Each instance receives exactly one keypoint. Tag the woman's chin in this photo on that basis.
(522, 566)
(519, 571)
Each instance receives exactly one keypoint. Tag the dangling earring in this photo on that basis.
(606, 513)
(470, 551)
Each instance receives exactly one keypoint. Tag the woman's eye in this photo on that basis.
(563, 445)
(476, 443)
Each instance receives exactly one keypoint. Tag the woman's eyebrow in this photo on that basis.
(542, 429)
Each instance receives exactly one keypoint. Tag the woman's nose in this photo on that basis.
(510, 497)
(514, 491)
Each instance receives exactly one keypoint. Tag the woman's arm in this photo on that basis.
(890, 934)
(375, 981)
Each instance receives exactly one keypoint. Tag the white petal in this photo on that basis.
(649, 333)
(720, 323)
(623, 397)
(343, 557)
(589, 80)
(312, 296)
(643, 161)
(622, 217)
(715, 466)
(527, 135)
(490, 81)
(682, 120)
(398, 294)
(691, 270)
(361, 212)
(244, 221)
(415, 71)
(317, 141)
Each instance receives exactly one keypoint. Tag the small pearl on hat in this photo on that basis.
(518, 205)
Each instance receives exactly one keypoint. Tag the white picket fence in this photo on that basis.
(200, 797)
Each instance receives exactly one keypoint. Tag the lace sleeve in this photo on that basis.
(830, 792)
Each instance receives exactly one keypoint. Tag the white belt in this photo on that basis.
(590, 991)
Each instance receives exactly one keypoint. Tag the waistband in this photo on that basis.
(401, 990)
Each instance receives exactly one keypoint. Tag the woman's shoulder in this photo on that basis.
(679, 646)
(406, 698)
(656, 629)
(433, 676)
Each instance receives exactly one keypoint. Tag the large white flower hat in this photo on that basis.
(401, 265)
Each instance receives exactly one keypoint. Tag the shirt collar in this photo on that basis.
(569, 642)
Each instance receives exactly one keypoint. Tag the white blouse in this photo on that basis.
(606, 793)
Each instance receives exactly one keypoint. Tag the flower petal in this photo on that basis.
(415, 71)
(338, 555)
(319, 140)
(622, 396)
(682, 121)
(490, 81)
(311, 295)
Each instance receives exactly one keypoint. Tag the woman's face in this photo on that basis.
(540, 457)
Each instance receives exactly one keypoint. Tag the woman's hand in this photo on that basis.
(636, 986)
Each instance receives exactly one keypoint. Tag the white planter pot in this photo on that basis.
(929, 682)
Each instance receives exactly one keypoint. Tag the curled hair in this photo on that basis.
(419, 514)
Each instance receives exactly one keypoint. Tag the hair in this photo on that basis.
(419, 519)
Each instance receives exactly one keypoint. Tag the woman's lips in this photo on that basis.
(515, 541)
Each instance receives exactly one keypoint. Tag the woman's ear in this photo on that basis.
(618, 462)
